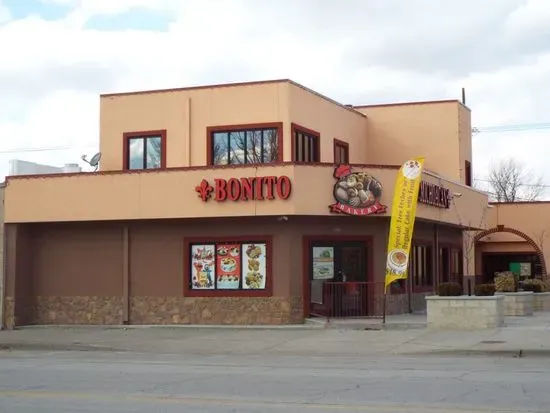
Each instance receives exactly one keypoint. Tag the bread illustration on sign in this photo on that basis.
(356, 193)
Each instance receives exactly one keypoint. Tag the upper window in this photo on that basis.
(144, 150)
(341, 152)
(305, 145)
(250, 145)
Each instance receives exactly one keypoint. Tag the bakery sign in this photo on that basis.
(435, 195)
(257, 188)
(356, 193)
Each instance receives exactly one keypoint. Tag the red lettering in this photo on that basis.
(233, 189)
(252, 188)
(258, 189)
(269, 182)
(220, 191)
(284, 187)
(247, 191)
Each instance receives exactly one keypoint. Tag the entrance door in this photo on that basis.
(338, 276)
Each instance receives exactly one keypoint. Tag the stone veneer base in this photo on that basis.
(216, 310)
(9, 316)
(93, 310)
(518, 304)
(541, 301)
(465, 312)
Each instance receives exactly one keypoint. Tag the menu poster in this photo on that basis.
(323, 263)
(525, 269)
(228, 266)
(254, 266)
(203, 267)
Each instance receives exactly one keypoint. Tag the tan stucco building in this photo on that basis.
(220, 205)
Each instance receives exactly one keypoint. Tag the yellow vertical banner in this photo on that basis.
(403, 214)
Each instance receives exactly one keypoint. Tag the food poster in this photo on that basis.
(525, 269)
(323, 263)
(254, 266)
(203, 267)
(228, 268)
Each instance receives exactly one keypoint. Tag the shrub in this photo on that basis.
(505, 282)
(537, 286)
(449, 290)
(484, 289)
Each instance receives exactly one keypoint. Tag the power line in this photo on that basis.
(529, 185)
(521, 127)
(48, 148)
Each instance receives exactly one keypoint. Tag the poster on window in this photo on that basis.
(525, 269)
(323, 263)
(203, 270)
(228, 268)
(254, 266)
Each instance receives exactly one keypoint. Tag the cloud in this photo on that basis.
(375, 51)
(5, 14)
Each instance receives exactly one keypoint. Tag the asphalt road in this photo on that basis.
(80, 381)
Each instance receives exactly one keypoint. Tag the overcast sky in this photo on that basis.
(57, 56)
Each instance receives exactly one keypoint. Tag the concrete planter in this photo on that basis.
(465, 312)
(541, 301)
(518, 304)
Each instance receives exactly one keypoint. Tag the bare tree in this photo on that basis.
(251, 147)
(540, 238)
(510, 181)
(469, 244)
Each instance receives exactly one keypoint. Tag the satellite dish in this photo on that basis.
(94, 162)
(95, 159)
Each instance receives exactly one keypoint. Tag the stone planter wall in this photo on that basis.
(518, 304)
(464, 312)
(541, 301)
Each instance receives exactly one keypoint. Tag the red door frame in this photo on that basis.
(308, 240)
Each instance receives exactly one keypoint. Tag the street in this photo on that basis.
(100, 381)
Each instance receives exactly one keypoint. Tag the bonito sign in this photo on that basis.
(257, 188)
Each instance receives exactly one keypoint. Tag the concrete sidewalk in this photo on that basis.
(522, 337)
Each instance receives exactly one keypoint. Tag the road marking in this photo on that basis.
(202, 401)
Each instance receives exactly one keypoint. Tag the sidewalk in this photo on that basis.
(522, 337)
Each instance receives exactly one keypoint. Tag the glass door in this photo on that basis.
(338, 279)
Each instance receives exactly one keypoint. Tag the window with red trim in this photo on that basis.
(420, 266)
(229, 266)
(341, 152)
(254, 145)
(144, 150)
(305, 144)
(456, 262)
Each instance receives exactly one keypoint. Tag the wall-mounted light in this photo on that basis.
(282, 218)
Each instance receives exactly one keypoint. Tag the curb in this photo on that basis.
(171, 326)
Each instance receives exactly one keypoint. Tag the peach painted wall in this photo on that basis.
(464, 140)
(332, 121)
(185, 114)
(171, 194)
(429, 129)
(531, 218)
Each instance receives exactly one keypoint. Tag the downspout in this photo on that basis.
(188, 135)
(125, 276)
